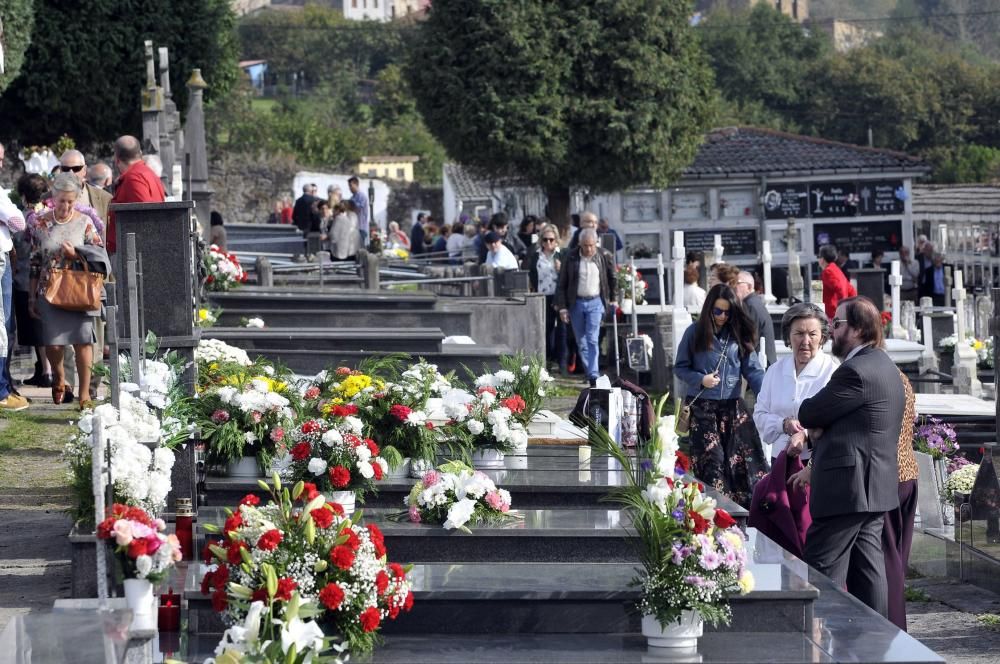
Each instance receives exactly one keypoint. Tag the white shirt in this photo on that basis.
(694, 297)
(782, 392)
(910, 271)
(502, 258)
(548, 276)
(11, 219)
(589, 284)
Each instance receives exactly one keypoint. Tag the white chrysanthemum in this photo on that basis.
(317, 466)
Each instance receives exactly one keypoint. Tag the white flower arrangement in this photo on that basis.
(255, 322)
(961, 481)
(213, 350)
(454, 496)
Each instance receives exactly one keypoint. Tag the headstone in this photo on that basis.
(964, 368)
(908, 320)
(984, 311)
(194, 139)
(985, 498)
(368, 265)
(871, 284)
(928, 359)
(663, 353)
(264, 271)
(948, 287)
(796, 286)
(152, 105)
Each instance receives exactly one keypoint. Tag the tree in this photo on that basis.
(85, 77)
(974, 22)
(605, 95)
(965, 163)
(17, 17)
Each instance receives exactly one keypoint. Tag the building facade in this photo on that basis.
(388, 167)
(796, 9)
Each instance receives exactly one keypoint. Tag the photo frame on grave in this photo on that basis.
(638, 359)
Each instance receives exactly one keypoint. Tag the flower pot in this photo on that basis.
(487, 458)
(243, 467)
(420, 466)
(401, 472)
(516, 462)
(681, 634)
(626, 306)
(345, 499)
(139, 596)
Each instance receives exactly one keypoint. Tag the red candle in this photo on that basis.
(169, 617)
(184, 527)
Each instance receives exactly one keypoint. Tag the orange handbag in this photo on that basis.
(74, 289)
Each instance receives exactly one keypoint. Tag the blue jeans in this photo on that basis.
(7, 320)
(586, 317)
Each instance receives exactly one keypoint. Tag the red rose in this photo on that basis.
(343, 371)
(219, 601)
(309, 491)
(250, 499)
(342, 557)
(723, 519)
(400, 412)
(331, 596)
(312, 392)
(104, 529)
(514, 404)
(323, 517)
(682, 461)
(377, 469)
(700, 523)
(302, 451)
(372, 447)
(269, 541)
(370, 619)
(381, 582)
(429, 424)
(340, 477)
(137, 548)
(285, 587)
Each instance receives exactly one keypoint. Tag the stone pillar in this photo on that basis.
(368, 265)
(717, 249)
(928, 359)
(264, 270)
(984, 311)
(663, 355)
(152, 106)
(964, 370)
(796, 287)
(680, 318)
(765, 258)
(895, 282)
(194, 130)
(168, 121)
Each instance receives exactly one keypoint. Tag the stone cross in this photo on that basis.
(680, 318)
(949, 287)
(677, 253)
(660, 277)
(964, 367)
(908, 320)
(717, 249)
(765, 258)
(928, 358)
(895, 282)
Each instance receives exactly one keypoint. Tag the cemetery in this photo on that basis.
(287, 454)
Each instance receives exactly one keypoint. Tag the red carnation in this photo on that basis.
(514, 404)
(206, 553)
(337, 508)
(340, 477)
(219, 601)
(400, 412)
(331, 596)
(700, 522)
(234, 521)
(723, 519)
(277, 434)
(377, 469)
(397, 570)
(105, 527)
(285, 587)
(310, 426)
(302, 451)
(309, 490)
(343, 371)
(259, 595)
(342, 557)
(353, 541)
(312, 392)
(381, 582)
(408, 603)
(370, 619)
(682, 461)
(250, 499)
(206, 582)
(377, 540)
(372, 447)
(269, 541)
(138, 514)
(323, 517)
(487, 388)
(220, 416)
(233, 552)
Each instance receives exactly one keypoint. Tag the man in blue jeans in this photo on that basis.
(587, 288)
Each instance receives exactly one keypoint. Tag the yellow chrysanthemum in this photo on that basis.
(746, 582)
(203, 314)
(354, 384)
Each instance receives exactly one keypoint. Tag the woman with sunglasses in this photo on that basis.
(714, 355)
(544, 263)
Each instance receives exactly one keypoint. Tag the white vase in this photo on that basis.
(401, 472)
(243, 467)
(487, 458)
(626, 306)
(345, 499)
(681, 634)
(420, 466)
(139, 596)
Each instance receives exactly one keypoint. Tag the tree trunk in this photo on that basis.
(557, 209)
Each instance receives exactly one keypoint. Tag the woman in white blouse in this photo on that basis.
(792, 379)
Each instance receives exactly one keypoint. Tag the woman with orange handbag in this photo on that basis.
(59, 235)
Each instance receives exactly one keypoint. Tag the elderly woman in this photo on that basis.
(397, 239)
(64, 233)
(794, 378)
(544, 263)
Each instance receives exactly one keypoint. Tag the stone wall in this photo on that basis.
(414, 196)
(247, 186)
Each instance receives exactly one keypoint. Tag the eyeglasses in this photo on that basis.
(745, 283)
(837, 322)
(548, 239)
(75, 169)
(719, 312)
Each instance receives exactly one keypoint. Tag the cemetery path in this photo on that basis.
(34, 494)
(957, 622)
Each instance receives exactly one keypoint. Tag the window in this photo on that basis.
(400, 174)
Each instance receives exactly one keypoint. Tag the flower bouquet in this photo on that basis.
(456, 495)
(223, 270)
(934, 437)
(213, 351)
(141, 548)
(961, 481)
(206, 317)
(523, 377)
(487, 428)
(693, 554)
(333, 456)
(300, 542)
(625, 275)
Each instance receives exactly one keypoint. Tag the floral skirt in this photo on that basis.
(726, 452)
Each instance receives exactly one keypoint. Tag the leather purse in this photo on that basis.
(74, 289)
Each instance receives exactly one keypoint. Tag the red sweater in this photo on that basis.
(138, 184)
(836, 287)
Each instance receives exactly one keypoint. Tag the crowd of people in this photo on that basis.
(63, 221)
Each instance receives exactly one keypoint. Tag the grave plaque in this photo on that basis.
(689, 205)
(835, 199)
(860, 237)
(786, 200)
(736, 203)
(876, 198)
(736, 242)
(640, 207)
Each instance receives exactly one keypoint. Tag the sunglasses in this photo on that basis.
(719, 312)
(75, 169)
(837, 322)
(548, 239)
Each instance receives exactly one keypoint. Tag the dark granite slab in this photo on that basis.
(450, 322)
(263, 299)
(449, 357)
(410, 340)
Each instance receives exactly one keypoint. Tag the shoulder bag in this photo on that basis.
(74, 289)
(683, 425)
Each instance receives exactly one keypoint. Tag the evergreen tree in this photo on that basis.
(17, 17)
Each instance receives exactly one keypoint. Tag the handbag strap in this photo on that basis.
(722, 355)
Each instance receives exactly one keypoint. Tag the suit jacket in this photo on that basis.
(757, 310)
(99, 200)
(854, 462)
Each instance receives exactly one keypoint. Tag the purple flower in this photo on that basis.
(646, 465)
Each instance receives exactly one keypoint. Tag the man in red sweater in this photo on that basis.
(136, 184)
(836, 287)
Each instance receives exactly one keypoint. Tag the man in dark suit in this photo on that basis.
(304, 214)
(853, 424)
(417, 235)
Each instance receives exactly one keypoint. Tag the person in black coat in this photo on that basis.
(758, 313)
(417, 234)
(304, 214)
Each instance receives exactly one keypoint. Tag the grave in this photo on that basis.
(262, 299)
(451, 323)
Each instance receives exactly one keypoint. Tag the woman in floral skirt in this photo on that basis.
(714, 355)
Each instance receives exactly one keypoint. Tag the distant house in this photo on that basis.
(846, 35)
(388, 167)
(362, 10)
(403, 8)
(255, 71)
(796, 9)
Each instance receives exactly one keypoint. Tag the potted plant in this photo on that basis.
(626, 276)
(934, 443)
(958, 489)
(692, 553)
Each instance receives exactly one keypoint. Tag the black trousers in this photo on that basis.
(848, 549)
